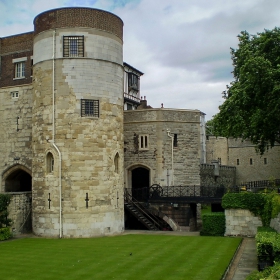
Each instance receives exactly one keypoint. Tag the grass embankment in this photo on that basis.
(120, 257)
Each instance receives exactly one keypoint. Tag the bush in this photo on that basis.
(268, 250)
(4, 202)
(269, 273)
(5, 234)
(213, 224)
(245, 200)
(266, 206)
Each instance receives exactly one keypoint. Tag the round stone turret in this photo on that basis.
(77, 130)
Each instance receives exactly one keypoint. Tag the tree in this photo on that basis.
(251, 109)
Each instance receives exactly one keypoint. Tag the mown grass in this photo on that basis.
(131, 257)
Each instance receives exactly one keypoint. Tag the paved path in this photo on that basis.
(245, 260)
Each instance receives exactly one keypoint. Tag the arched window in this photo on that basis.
(116, 162)
(50, 162)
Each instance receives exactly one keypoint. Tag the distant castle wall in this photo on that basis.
(217, 175)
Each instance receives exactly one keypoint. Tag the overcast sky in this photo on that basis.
(182, 46)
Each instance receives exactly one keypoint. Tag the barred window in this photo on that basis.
(73, 46)
(89, 108)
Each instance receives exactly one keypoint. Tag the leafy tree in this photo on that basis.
(252, 101)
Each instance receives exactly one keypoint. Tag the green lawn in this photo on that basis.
(123, 257)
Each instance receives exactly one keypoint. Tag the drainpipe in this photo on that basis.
(172, 167)
(53, 137)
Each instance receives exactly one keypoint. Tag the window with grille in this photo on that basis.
(73, 46)
(143, 142)
(20, 70)
(89, 108)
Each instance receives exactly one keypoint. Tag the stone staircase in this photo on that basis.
(142, 216)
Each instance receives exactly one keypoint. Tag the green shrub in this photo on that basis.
(245, 200)
(5, 234)
(269, 273)
(268, 244)
(264, 205)
(4, 202)
(213, 224)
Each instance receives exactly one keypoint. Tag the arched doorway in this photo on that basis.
(18, 181)
(140, 180)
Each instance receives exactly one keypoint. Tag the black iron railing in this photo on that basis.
(157, 192)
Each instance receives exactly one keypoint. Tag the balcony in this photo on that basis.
(131, 98)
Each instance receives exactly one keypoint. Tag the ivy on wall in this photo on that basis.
(264, 205)
(5, 222)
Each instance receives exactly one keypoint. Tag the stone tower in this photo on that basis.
(77, 118)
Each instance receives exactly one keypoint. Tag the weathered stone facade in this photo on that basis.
(75, 161)
(241, 222)
(275, 223)
(20, 211)
(217, 175)
(168, 164)
(250, 166)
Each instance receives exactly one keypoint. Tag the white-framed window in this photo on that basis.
(19, 67)
(73, 46)
(50, 162)
(20, 70)
(144, 142)
(89, 108)
(14, 94)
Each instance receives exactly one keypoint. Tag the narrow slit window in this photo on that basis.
(175, 141)
(265, 160)
(50, 163)
(116, 162)
(237, 161)
(251, 161)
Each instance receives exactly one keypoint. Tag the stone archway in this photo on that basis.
(17, 179)
(140, 179)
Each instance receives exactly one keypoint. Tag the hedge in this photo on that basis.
(213, 224)
(5, 233)
(264, 205)
(268, 251)
(268, 245)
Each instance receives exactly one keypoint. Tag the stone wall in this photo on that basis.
(221, 176)
(275, 223)
(250, 166)
(259, 168)
(20, 212)
(89, 149)
(241, 222)
(157, 158)
(15, 130)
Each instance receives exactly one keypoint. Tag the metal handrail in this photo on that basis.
(136, 203)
